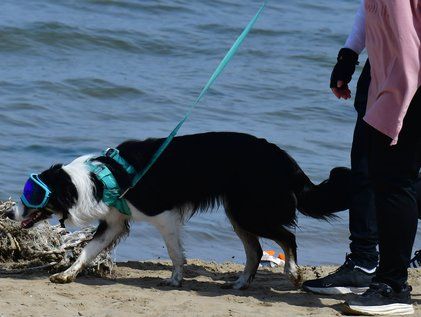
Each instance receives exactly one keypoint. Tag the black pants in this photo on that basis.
(362, 214)
(393, 171)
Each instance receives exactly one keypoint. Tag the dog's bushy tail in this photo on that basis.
(323, 200)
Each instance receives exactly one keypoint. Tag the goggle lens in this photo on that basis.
(35, 193)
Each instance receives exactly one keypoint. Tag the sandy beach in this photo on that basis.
(134, 291)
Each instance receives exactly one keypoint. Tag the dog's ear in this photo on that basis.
(56, 167)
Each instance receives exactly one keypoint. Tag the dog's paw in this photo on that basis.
(170, 282)
(61, 278)
(296, 278)
(242, 283)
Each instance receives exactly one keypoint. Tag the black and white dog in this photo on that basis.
(259, 185)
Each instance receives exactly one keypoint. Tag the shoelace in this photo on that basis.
(416, 260)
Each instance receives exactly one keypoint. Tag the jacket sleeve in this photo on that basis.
(356, 39)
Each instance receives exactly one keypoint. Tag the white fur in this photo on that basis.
(18, 211)
(291, 269)
(169, 224)
(87, 209)
(115, 228)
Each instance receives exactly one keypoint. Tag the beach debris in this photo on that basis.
(45, 247)
(270, 259)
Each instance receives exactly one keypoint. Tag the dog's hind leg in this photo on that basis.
(287, 242)
(253, 253)
(108, 232)
(169, 224)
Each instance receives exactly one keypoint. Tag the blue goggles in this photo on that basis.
(35, 193)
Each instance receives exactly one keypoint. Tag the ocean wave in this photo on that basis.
(22, 106)
(154, 7)
(73, 88)
(102, 89)
(59, 35)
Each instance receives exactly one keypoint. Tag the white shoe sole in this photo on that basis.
(392, 309)
(336, 290)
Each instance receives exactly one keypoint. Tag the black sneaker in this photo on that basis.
(416, 260)
(348, 278)
(381, 299)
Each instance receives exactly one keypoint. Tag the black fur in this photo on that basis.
(256, 180)
(123, 179)
(102, 227)
(98, 187)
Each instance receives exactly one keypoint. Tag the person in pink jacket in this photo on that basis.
(356, 274)
(393, 32)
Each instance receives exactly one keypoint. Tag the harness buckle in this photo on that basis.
(111, 152)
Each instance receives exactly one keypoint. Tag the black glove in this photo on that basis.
(344, 68)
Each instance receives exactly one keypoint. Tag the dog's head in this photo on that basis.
(50, 192)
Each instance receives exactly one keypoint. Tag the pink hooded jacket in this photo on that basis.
(393, 32)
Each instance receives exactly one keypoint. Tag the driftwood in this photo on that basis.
(45, 247)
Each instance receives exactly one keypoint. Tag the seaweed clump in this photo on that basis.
(45, 247)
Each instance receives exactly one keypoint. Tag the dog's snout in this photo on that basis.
(15, 213)
(11, 213)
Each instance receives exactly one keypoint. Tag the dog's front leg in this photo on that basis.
(107, 233)
(169, 224)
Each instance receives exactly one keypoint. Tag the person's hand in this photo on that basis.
(341, 90)
(342, 73)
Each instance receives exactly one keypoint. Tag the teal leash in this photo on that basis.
(227, 58)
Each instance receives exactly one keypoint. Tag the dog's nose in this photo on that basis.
(11, 213)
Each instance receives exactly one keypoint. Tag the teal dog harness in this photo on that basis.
(112, 191)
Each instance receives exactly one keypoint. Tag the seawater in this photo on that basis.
(79, 76)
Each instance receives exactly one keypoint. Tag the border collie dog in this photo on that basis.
(259, 185)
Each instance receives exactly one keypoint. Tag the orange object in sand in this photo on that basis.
(270, 252)
(281, 256)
